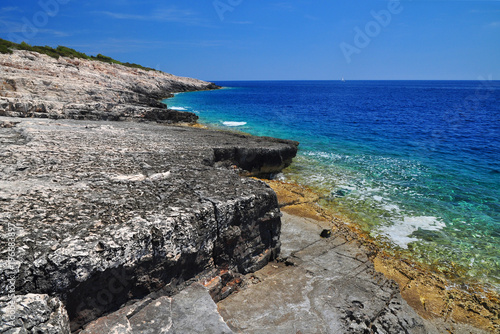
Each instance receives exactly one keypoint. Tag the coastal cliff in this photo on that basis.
(36, 85)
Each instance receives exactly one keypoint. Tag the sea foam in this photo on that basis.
(400, 231)
(234, 123)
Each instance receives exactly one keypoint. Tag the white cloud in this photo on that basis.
(10, 9)
(10, 27)
(159, 15)
(311, 17)
(284, 6)
(484, 11)
(241, 22)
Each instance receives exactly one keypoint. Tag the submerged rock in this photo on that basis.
(107, 212)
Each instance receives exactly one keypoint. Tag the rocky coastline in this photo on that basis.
(104, 213)
(143, 225)
(96, 215)
(445, 306)
(36, 85)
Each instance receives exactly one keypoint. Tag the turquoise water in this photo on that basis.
(415, 164)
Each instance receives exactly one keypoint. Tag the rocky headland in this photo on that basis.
(140, 227)
(36, 85)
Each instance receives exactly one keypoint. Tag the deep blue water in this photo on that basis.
(414, 163)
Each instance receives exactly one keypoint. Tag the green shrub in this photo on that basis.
(63, 51)
(5, 46)
(105, 59)
(24, 46)
(46, 50)
(68, 52)
(5, 49)
(138, 66)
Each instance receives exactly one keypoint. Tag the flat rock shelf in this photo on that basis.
(104, 214)
(324, 285)
(125, 227)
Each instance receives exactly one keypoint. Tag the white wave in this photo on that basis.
(326, 155)
(400, 230)
(234, 123)
(177, 108)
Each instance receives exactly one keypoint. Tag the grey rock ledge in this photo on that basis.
(106, 213)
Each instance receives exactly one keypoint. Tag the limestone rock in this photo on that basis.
(32, 313)
(36, 85)
(191, 311)
(328, 286)
(107, 212)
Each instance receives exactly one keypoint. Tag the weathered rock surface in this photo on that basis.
(33, 313)
(328, 285)
(36, 85)
(190, 311)
(107, 212)
(449, 308)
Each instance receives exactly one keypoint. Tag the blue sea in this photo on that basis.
(415, 164)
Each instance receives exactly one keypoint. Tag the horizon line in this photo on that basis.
(261, 80)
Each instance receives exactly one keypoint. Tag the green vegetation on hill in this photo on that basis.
(62, 51)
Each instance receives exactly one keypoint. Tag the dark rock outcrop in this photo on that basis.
(36, 85)
(260, 159)
(170, 116)
(104, 213)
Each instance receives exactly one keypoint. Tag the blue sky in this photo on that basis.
(273, 39)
